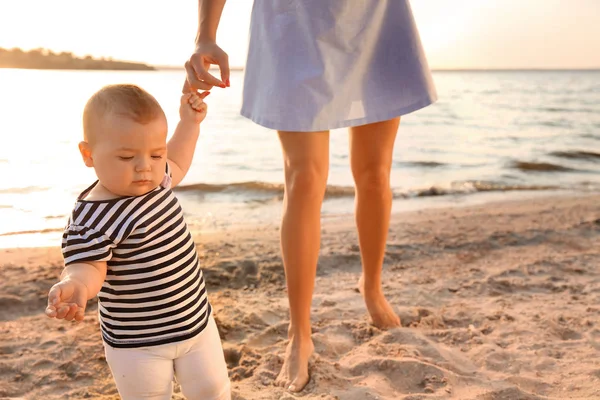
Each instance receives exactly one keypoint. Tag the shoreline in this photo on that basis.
(498, 301)
(212, 218)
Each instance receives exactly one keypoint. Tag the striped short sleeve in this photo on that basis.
(80, 244)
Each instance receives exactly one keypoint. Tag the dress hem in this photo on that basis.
(373, 118)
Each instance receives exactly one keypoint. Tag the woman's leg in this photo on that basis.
(306, 162)
(371, 148)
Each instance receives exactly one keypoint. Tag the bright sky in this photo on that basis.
(455, 33)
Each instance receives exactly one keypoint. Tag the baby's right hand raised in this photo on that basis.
(67, 300)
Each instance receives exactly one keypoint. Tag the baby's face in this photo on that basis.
(130, 158)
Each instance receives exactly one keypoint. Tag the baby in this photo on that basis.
(127, 242)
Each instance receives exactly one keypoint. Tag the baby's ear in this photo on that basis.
(86, 154)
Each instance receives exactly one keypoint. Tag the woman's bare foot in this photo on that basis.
(381, 312)
(294, 373)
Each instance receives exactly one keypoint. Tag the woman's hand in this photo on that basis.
(207, 53)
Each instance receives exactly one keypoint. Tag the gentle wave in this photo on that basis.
(25, 190)
(55, 217)
(50, 230)
(566, 110)
(462, 187)
(528, 166)
(427, 164)
(467, 187)
(254, 186)
(257, 187)
(561, 123)
(577, 155)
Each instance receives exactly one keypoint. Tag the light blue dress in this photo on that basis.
(324, 64)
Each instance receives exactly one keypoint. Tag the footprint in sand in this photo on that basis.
(403, 376)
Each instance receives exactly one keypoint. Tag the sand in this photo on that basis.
(497, 301)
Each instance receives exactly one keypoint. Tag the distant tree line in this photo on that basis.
(46, 59)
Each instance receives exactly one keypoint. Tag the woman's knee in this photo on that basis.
(372, 179)
(306, 180)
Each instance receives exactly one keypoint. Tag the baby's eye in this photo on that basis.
(126, 158)
(157, 157)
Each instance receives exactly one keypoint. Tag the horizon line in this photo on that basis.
(462, 69)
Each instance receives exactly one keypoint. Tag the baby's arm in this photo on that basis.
(181, 147)
(79, 282)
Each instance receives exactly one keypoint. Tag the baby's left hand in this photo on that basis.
(193, 108)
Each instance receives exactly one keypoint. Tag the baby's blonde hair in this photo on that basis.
(124, 100)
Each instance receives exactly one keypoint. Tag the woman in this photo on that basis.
(312, 66)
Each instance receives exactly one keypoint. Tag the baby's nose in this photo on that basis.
(142, 166)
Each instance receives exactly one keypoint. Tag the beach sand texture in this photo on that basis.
(498, 302)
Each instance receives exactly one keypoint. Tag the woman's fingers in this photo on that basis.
(193, 80)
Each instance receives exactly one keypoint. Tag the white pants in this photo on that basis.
(198, 364)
